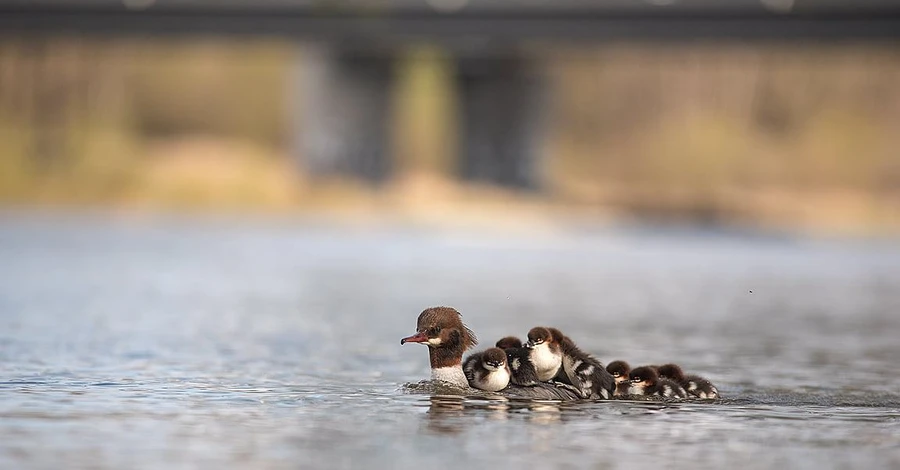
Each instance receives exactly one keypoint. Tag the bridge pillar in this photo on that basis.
(503, 106)
(342, 127)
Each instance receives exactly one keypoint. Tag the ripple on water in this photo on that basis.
(173, 344)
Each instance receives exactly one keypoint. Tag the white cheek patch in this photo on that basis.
(434, 341)
(515, 364)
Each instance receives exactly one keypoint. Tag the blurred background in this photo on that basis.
(773, 113)
(218, 218)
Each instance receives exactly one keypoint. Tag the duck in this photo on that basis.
(546, 353)
(645, 381)
(487, 370)
(619, 370)
(509, 342)
(519, 361)
(442, 330)
(693, 384)
(555, 353)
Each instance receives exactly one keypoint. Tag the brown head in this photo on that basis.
(539, 335)
(671, 372)
(564, 342)
(557, 335)
(447, 338)
(494, 358)
(619, 370)
(509, 342)
(645, 376)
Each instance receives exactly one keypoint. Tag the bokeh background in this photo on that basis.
(784, 133)
(218, 218)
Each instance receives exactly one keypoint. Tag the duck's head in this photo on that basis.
(644, 376)
(494, 359)
(447, 337)
(509, 342)
(539, 335)
(671, 372)
(619, 370)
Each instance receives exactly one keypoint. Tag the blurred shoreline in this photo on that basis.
(439, 203)
(798, 138)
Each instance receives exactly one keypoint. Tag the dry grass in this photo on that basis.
(801, 137)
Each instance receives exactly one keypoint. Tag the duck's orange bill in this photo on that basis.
(416, 338)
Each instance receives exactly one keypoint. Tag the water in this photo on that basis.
(171, 343)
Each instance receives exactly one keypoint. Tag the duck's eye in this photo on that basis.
(435, 331)
(616, 374)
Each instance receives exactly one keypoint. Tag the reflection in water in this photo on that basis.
(452, 413)
(544, 413)
(448, 414)
(444, 414)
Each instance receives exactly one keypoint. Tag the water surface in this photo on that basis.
(171, 343)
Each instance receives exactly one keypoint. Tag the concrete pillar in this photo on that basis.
(503, 107)
(343, 100)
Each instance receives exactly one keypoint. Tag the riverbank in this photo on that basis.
(210, 177)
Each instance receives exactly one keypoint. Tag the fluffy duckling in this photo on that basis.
(693, 384)
(619, 370)
(518, 358)
(487, 370)
(555, 355)
(645, 381)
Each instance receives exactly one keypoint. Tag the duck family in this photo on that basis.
(548, 365)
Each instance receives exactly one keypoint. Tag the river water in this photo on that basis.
(168, 343)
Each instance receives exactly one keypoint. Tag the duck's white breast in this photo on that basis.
(452, 374)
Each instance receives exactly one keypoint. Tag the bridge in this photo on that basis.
(498, 80)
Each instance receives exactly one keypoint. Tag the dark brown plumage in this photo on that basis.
(693, 384)
(509, 342)
(487, 370)
(447, 337)
(442, 329)
(519, 361)
(577, 368)
(619, 370)
(645, 381)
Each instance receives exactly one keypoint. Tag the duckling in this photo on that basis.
(645, 381)
(693, 384)
(509, 342)
(545, 353)
(555, 353)
(487, 370)
(519, 360)
(619, 370)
